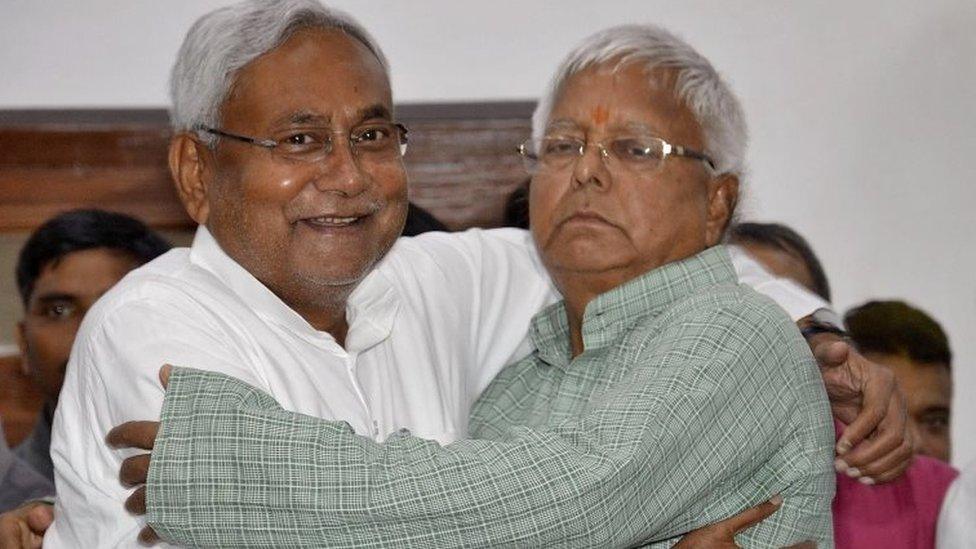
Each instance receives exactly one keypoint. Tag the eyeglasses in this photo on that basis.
(380, 141)
(641, 153)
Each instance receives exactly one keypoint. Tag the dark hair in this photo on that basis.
(79, 230)
(896, 328)
(517, 207)
(420, 221)
(783, 238)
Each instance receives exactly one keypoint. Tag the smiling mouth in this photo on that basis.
(332, 222)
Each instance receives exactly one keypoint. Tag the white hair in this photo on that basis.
(697, 84)
(223, 41)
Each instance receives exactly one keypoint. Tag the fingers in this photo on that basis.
(11, 536)
(40, 517)
(879, 404)
(890, 438)
(831, 353)
(136, 502)
(135, 434)
(754, 515)
(148, 536)
(134, 470)
(890, 466)
(164, 374)
(16, 531)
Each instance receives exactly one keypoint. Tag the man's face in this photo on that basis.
(62, 294)
(599, 218)
(303, 227)
(928, 389)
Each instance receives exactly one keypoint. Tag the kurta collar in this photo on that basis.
(370, 310)
(615, 312)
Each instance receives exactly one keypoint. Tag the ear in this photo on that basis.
(21, 335)
(191, 166)
(723, 195)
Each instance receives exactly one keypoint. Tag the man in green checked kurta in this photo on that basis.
(695, 398)
(661, 395)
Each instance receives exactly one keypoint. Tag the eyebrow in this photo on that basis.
(935, 408)
(374, 111)
(640, 128)
(306, 117)
(565, 123)
(54, 297)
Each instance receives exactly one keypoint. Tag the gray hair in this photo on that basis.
(225, 40)
(697, 84)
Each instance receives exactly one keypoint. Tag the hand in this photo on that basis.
(722, 534)
(135, 470)
(24, 527)
(875, 446)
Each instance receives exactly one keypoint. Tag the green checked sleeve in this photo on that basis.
(699, 414)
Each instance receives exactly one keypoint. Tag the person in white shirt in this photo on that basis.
(957, 519)
(287, 155)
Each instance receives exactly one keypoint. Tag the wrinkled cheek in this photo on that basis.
(543, 201)
(391, 180)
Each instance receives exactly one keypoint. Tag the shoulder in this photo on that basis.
(468, 264)
(168, 296)
(437, 248)
(728, 335)
(734, 308)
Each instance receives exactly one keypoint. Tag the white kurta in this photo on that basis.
(957, 519)
(428, 329)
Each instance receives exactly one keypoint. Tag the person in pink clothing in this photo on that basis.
(900, 514)
(903, 513)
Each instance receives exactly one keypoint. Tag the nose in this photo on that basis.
(591, 168)
(341, 171)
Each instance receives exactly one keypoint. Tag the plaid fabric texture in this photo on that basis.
(695, 398)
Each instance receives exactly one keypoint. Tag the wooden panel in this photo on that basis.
(20, 402)
(461, 162)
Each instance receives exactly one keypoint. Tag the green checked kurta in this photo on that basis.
(694, 399)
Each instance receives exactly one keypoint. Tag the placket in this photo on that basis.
(350, 360)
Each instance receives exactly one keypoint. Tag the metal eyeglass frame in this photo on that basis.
(271, 144)
(667, 149)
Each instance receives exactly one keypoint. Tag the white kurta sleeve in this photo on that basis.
(957, 520)
(113, 377)
(793, 298)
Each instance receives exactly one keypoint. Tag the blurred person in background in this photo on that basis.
(903, 513)
(915, 347)
(65, 266)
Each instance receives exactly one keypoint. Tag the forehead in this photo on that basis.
(918, 380)
(84, 273)
(325, 73)
(615, 95)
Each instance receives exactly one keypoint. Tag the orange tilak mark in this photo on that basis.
(600, 114)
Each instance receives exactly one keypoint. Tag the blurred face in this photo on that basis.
(781, 263)
(63, 293)
(301, 227)
(599, 219)
(928, 389)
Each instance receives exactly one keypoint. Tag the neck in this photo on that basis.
(327, 313)
(578, 290)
